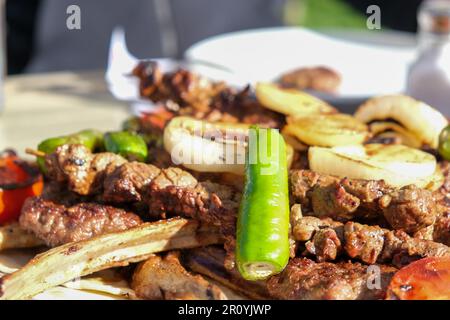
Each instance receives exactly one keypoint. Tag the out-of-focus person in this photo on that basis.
(40, 41)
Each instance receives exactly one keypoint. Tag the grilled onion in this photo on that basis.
(421, 120)
(290, 101)
(398, 165)
(209, 146)
(394, 130)
(327, 130)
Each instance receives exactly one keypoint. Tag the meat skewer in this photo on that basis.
(115, 180)
(327, 239)
(409, 208)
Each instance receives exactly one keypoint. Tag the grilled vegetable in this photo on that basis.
(424, 122)
(92, 139)
(398, 165)
(393, 130)
(206, 147)
(444, 143)
(327, 130)
(18, 181)
(290, 101)
(127, 144)
(209, 146)
(262, 244)
(425, 279)
(76, 259)
(12, 236)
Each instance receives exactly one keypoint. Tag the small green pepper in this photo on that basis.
(262, 239)
(92, 139)
(128, 144)
(444, 143)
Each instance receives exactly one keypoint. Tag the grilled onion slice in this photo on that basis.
(424, 122)
(209, 146)
(398, 165)
(327, 130)
(290, 101)
(380, 128)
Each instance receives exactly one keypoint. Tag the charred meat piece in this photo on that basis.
(128, 181)
(82, 171)
(166, 279)
(58, 224)
(210, 261)
(315, 78)
(364, 242)
(409, 208)
(325, 245)
(441, 230)
(177, 192)
(304, 279)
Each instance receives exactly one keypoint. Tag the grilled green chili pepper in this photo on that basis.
(92, 139)
(127, 144)
(262, 243)
(444, 143)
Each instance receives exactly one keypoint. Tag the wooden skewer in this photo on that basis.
(36, 153)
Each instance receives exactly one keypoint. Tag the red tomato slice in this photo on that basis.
(425, 279)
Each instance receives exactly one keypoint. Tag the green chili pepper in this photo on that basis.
(127, 144)
(262, 241)
(444, 143)
(92, 139)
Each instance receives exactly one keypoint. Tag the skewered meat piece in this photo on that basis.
(409, 208)
(304, 279)
(166, 279)
(326, 239)
(185, 93)
(57, 224)
(82, 170)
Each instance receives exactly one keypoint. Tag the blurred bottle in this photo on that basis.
(429, 75)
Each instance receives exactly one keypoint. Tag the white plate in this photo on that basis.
(264, 54)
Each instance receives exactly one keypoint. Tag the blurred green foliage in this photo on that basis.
(329, 14)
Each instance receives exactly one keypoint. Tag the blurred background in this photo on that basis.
(39, 41)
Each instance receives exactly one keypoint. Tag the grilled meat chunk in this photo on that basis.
(166, 279)
(82, 171)
(408, 208)
(178, 192)
(128, 181)
(304, 279)
(57, 223)
(441, 230)
(325, 245)
(364, 242)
